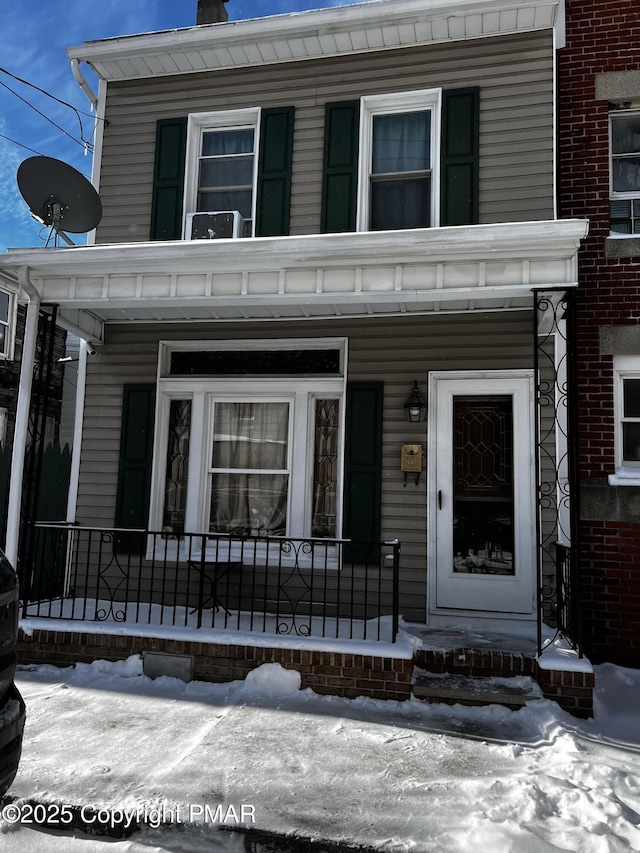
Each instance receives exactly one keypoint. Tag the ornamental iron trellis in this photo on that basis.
(557, 516)
(45, 370)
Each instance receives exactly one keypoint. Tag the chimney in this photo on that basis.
(211, 12)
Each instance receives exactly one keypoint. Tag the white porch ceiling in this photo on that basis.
(479, 267)
(310, 35)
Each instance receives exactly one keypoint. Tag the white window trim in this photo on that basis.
(4, 421)
(624, 367)
(620, 195)
(196, 124)
(10, 335)
(300, 391)
(397, 102)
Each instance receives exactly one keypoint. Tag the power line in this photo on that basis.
(82, 141)
(49, 95)
(15, 142)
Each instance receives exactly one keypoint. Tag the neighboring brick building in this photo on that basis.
(599, 178)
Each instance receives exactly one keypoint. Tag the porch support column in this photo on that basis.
(21, 429)
(74, 474)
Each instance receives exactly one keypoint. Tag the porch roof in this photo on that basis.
(484, 267)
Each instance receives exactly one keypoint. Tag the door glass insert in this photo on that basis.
(483, 511)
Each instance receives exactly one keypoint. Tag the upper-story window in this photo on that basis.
(221, 168)
(625, 172)
(399, 155)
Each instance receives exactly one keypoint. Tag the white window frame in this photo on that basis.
(397, 102)
(300, 392)
(10, 326)
(4, 421)
(197, 125)
(626, 473)
(621, 196)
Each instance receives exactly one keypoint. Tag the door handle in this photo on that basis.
(439, 499)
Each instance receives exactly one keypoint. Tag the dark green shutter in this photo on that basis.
(460, 157)
(168, 179)
(134, 472)
(340, 172)
(363, 469)
(274, 172)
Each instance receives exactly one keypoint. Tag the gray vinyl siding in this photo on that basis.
(514, 73)
(499, 340)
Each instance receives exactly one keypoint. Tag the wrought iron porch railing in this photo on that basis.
(305, 587)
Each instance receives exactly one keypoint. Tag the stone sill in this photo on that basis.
(622, 247)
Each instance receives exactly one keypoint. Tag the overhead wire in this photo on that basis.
(49, 95)
(21, 144)
(84, 143)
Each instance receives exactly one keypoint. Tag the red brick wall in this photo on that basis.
(335, 673)
(602, 36)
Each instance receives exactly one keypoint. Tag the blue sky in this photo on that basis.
(34, 36)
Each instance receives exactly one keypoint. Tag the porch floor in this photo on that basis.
(456, 638)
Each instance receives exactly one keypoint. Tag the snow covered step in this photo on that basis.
(474, 690)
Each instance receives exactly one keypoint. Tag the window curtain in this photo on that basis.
(250, 480)
(400, 149)
(401, 143)
(221, 143)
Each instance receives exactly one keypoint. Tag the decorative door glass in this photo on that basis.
(483, 477)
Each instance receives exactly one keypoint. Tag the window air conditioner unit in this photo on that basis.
(214, 225)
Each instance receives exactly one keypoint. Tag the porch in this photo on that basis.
(212, 608)
(189, 343)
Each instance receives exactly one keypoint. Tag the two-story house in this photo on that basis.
(329, 299)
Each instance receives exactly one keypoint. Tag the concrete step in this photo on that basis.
(452, 688)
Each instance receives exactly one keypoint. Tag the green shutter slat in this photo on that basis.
(363, 469)
(134, 470)
(460, 157)
(274, 172)
(168, 179)
(340, 170)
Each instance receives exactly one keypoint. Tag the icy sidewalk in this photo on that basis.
(397, 776)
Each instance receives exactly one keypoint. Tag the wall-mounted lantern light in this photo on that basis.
(415, 407)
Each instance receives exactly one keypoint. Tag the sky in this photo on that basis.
(401, 777)
(34, 38)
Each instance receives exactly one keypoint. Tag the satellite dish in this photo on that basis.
(59, 196)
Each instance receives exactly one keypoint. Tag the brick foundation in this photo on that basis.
(328, 672)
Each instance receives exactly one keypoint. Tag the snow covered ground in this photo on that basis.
(397, 776)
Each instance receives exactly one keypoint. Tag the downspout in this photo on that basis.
(98, 104)
(21, 429)
(86, 88)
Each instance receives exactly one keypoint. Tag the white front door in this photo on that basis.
(481, 493)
